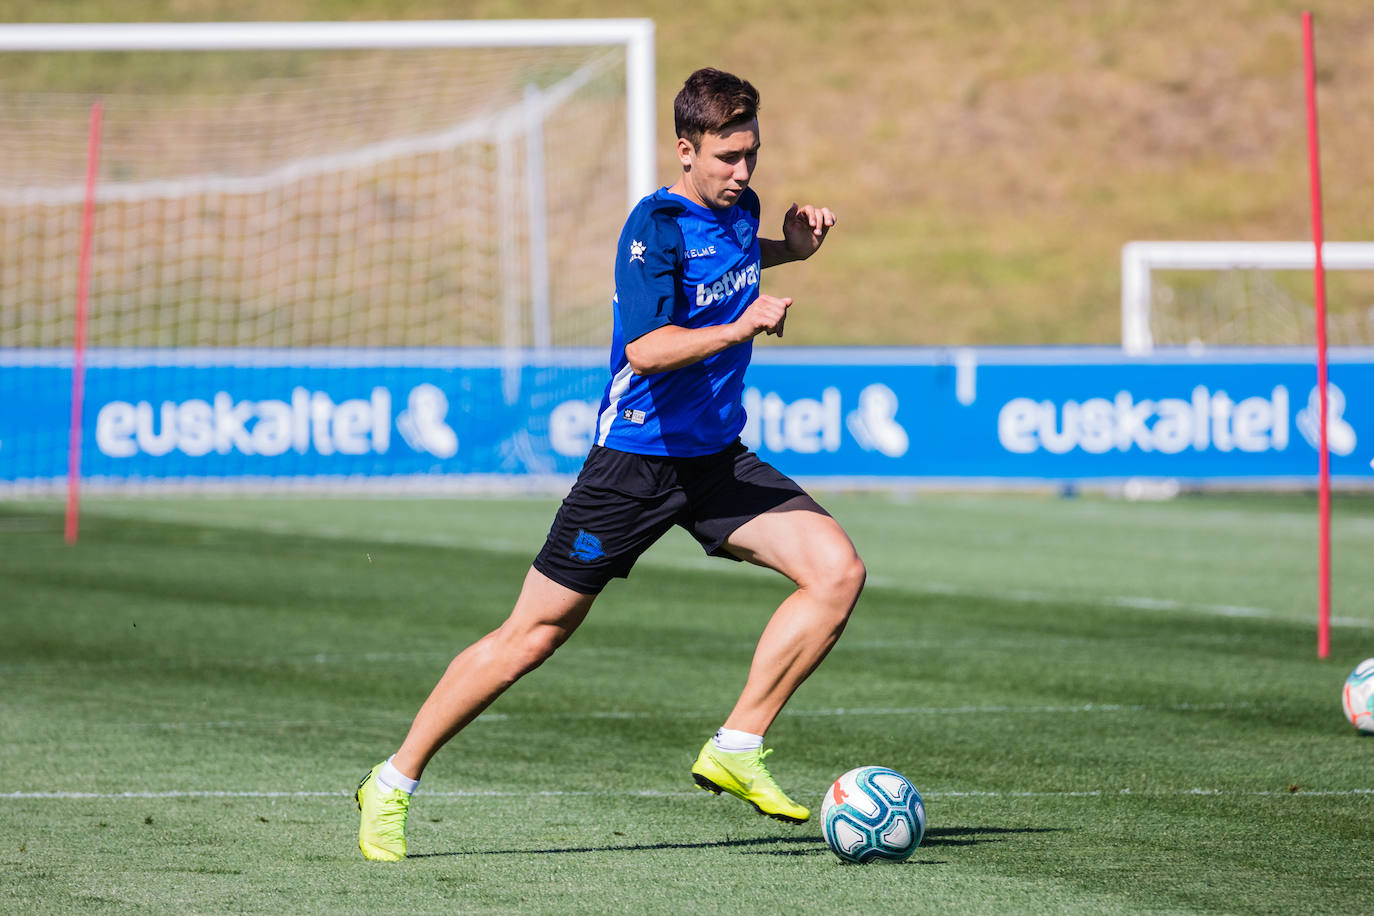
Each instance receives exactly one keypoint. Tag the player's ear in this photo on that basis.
(685, 152)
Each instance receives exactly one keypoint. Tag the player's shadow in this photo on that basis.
(763, 846)
(785, 845)
(972, 836)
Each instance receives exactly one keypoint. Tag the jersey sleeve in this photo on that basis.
(750, 203)
(646, 271)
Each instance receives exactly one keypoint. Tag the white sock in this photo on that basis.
(729, 739)
(388, 777)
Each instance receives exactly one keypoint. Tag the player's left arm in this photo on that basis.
(804, 228)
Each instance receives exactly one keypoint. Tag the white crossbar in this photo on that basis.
(1138, 259)
(636, 35)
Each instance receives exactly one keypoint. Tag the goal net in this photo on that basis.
(1202, 294)
(316, 188)
(302, 197)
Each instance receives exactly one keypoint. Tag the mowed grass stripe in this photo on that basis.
(1144, 557)
(287, 724)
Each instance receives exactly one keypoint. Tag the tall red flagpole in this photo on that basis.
(83, 291)
(1319, 281)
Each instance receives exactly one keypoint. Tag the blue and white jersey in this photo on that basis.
(684, 264)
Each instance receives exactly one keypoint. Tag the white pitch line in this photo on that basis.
(1131, 602)
(973, 794)
(1128, 602)
(1076, 708)
(211, 793)
(1000, 710)
(1158, 793)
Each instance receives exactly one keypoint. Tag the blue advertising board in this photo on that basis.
(878, 414)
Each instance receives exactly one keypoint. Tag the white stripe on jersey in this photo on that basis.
(619, 385)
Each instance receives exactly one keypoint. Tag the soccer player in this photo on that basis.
(687, 307)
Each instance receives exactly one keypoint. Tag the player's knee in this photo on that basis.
(839, 579)
(526, 651)
(541, 644)
(850, 579)
(856, 574)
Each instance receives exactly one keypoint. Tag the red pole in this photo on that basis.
(83, 290)
(1319, 281)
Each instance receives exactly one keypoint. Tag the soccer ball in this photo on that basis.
(873, 813)
(1358, 696)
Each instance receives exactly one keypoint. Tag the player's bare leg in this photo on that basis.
(545, 615)
(814, 552)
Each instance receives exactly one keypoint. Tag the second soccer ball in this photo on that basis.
(1357, 697)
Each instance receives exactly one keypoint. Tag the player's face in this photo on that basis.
(716, 172)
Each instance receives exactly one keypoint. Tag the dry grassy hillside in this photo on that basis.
(987, 158)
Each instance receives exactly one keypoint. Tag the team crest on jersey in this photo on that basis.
(636, 251)
(744, 232)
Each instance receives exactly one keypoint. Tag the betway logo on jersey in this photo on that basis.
(1207, 420)
(731, 282)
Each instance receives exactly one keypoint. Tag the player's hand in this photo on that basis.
(765, 315)
(804, 229)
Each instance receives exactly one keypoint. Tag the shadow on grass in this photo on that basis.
(972, 836)
(816, 842)
(770, 846)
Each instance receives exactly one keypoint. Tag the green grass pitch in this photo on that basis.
(1108, 707)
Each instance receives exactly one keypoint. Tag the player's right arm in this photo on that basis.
(672, 347)
(648, 272)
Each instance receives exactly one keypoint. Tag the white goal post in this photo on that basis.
(1141, 259)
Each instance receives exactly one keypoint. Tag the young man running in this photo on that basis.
(667, 452)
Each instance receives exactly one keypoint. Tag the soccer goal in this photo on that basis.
(323, 184)
(303, 196)
(1202, 294)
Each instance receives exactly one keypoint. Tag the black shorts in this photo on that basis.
(622, 503)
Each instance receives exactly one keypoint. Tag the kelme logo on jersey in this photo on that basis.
(733, 281)
(636, 251)
(587, 547)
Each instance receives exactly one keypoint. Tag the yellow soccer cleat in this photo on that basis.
(743, 775)
(382, 828)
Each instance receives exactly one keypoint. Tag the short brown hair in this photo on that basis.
(712, 100)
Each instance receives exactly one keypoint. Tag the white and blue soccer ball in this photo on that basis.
(873, 813)
(1358, 696)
